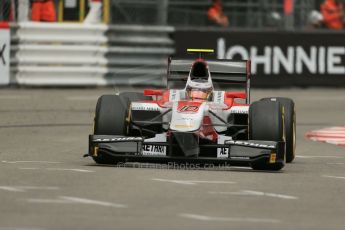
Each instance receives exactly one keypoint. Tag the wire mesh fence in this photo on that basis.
(7, 10)
(241, 13)
(249, 14)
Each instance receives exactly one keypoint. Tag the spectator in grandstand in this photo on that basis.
(95, 12)
(315, 20)
(216, 15)
(274, 20)
(43, 11)
(333, 14)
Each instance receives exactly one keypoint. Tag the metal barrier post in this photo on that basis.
(60, 11)
(81, 10)
(106, 11)
(162, 12)
(1, 11)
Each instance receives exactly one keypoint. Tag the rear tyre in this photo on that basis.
(290, 126)
(134, 96)
(127, 98)
(266, 123)
(110, 119)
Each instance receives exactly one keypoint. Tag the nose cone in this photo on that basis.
(187, 116)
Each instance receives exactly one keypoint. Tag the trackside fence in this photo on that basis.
(49, 54)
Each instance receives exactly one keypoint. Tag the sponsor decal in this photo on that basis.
(290, 59)
(2, 54)
(188, 108)
(273, 158)
(5, 46)
(118, 139)
(240, 109)
(183, 126)
(144, 106)
(250, 144)
(173, 95)
(154, 150)
(222, 152)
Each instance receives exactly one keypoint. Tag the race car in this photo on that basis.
(196, 122)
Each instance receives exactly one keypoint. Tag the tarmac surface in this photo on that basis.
(46, 184)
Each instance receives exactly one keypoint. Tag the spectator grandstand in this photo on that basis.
(241, 13)
(247, 14)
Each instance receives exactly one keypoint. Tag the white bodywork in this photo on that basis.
(187, 122)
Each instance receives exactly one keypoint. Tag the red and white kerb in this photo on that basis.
(331, 135)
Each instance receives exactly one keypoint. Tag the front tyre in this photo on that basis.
(266, 123)
(290, 126)
(110, 119)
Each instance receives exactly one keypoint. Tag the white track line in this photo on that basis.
(309, 157)
(28, 168)
(335, 177)
(76, 200)
(60, 169)
(40, 162)
(26, 188)
(256, 193)
(228, 219)
(72, 170)
(49, 201)
(193, 182)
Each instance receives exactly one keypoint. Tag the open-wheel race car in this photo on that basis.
(196, 123)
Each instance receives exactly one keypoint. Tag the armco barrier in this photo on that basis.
(52, 54)
(49, 54)
(138, 54)
(286, 58)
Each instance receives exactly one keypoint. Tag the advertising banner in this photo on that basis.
(314, 58)
(4, 54)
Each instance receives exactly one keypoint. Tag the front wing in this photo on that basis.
(239, 153)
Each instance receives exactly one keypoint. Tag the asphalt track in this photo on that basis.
(46, 184)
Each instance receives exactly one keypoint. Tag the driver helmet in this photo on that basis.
(199, 91)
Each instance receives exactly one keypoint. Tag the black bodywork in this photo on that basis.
(241, 153)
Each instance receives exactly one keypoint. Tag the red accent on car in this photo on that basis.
(230, 97)
(4, 25)
(207, 130)
(242, 95)
(162, 100)
(188, 106)
(153, 92)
